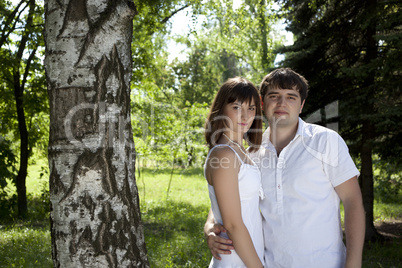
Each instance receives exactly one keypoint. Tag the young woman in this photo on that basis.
(234, 180)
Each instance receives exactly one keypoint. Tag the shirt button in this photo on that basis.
(279, 186)
(280, 165)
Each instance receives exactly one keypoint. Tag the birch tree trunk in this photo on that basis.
(95, 217)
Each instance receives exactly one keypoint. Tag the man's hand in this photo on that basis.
(217, 245)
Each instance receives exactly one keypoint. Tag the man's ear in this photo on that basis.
(301, 108)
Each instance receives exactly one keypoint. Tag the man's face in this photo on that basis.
(282, 107)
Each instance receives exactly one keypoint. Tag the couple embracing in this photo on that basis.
(277, 204)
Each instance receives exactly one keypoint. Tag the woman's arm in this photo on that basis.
(225, 182)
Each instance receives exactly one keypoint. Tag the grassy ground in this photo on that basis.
(174, 216)
(173, 209)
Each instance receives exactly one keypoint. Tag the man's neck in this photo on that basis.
(280, 136)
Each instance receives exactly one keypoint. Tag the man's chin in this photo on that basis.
(280, 120)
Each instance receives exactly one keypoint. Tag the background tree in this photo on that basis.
(23, 84)
(350, 51)
(245, 32)
(95, 217)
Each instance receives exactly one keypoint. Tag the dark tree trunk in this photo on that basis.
(367, 181)
(24, 149)
(19, 86)
(368, 130)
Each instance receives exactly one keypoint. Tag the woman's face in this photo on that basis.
(239, 115)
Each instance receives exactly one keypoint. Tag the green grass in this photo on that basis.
(387, 211)
(173, 208)
(174, 219)
(382, 255)
(27, 246)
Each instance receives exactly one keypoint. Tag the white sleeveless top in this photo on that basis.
(250, 191)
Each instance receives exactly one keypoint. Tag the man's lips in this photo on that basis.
(281, 112)
(243, 124)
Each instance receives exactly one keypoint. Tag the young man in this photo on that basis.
(306, 170)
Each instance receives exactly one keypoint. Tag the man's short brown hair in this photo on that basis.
(284, 78)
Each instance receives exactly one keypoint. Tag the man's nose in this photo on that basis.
(281, 100)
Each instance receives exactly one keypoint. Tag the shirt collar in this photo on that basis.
(301, 131)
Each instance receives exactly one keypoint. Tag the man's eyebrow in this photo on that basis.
(293, 94)
(276, 92)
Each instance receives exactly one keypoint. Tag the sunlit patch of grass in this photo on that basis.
(387, 211)
(174, 216)
(173, 235)
(25, 247)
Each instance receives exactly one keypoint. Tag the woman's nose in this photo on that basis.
(244, 114)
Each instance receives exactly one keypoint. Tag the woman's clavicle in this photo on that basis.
(214, 162)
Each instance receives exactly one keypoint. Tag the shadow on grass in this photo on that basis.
(382, 254)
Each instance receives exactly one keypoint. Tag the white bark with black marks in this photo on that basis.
(94, 200)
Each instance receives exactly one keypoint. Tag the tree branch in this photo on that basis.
(8, 30)
(27, 67)
(174, 13)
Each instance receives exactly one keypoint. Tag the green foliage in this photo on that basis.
(166, 135)
(387, 181)
(7, 173)
(7, 162)
(150, 30)
(243, 39)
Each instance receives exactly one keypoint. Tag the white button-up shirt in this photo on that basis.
(301, 216)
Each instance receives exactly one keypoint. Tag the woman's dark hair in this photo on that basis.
(233, 89)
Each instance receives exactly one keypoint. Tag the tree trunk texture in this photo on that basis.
(95, 217)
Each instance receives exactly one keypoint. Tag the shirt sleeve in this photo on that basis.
(337, 162)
